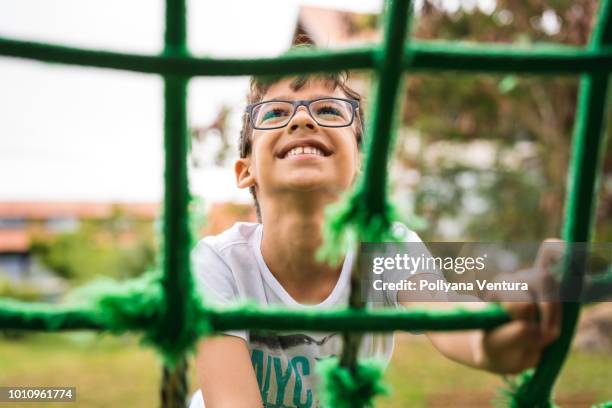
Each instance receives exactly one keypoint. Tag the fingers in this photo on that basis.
(546, 316)
(549, 253)
(518, 333)
(535, 324)
(530, 359)
(521, 310)
(550, 321)
(513, 347)
(549, 313)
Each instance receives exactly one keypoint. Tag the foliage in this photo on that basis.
(118, 247)
(521, 199)
(20, 291)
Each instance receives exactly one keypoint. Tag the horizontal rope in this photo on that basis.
(420, 56)
(185, 66)
(19, 315)
(354, 320)
(47, 317)
(104, 304)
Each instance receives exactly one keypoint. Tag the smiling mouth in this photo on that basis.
(304, 150)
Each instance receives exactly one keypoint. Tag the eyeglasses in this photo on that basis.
(327, 112)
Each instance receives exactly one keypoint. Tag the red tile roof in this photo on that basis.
(45, 210)
(329, 28)
(14, 240)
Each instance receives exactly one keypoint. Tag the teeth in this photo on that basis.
(304, 150)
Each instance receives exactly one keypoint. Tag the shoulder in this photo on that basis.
(239, 234)
(222, 261)
(219, 266)
(404, 234)
(226, 251)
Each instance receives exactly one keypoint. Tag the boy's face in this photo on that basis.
(272, 171)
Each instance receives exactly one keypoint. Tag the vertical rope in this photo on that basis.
(351, 341)
(587, 145)
(353, 382)
(366, 214)
(389, 72)
(174, 384)
(176, 282)
(397, 17)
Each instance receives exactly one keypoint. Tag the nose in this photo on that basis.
(301, 119)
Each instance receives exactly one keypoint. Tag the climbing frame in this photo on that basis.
(164, 307)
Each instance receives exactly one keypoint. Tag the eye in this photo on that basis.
(329, 110)
(275, 113)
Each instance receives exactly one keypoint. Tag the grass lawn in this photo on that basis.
(115, 372)
(421, 377)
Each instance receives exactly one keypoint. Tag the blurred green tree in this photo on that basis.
(524, 122)
(120, 246)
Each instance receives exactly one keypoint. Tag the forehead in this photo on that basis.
(292, 88)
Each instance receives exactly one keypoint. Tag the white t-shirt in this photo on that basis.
(229, 268)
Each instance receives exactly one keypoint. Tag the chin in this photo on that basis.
(313, 181)
(316, 186)
(306, 182)
(307, 185)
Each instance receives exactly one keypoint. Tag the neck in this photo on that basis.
(291, 238)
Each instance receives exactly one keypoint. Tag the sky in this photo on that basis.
(87, 134)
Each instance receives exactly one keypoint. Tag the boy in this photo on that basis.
(300, 150)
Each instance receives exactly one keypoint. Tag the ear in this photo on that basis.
(244, 177)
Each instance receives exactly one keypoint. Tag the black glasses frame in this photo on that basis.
(296, 104)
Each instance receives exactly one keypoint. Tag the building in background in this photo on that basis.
(329, 28)
(20, 222)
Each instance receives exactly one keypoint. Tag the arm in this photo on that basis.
(223, 363)
(507, 349)
(225, 373)
(511, 347)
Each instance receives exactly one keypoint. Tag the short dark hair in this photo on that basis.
(260, 85)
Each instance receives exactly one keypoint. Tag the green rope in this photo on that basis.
(176, 280)
(587, 144)
(108, 305)
(366, 213)
(350, 218)
(513, 395)
(176, 328)
(136, 309)
(423, 56)
(343, 388)
(116, 306)
(101, 305)
(175, 385)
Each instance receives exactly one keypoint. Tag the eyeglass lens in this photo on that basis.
(326, 112)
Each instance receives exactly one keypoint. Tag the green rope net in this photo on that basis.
(163, 305)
